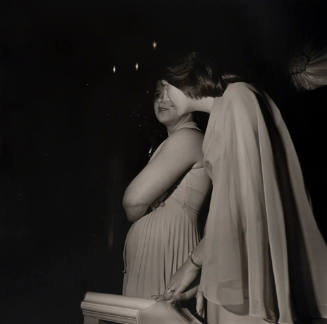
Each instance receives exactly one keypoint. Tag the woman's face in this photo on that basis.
(164, 108)
(178, 99)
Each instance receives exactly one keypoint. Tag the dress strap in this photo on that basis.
(189, 124)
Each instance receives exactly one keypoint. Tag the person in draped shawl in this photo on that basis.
(262, 258)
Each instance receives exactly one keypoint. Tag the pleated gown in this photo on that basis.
(159, 243)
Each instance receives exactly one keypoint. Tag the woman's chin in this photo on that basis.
(164, 120)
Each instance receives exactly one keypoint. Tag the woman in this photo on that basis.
(173, 184)
(262, 257)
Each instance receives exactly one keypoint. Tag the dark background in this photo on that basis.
(73, 133)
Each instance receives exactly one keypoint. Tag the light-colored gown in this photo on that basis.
(159, 243)
(264, 257)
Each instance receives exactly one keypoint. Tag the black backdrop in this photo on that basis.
(73, 133)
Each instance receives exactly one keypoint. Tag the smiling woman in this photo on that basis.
(173, 187)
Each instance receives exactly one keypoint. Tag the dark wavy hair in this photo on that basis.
(198, 76)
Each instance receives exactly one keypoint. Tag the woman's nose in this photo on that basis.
(165, 94)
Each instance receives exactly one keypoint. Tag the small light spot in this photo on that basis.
(114, 69)
(154, 44)
(136, 66)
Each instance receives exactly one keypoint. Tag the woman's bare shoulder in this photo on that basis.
(186, 136)
(185, 143)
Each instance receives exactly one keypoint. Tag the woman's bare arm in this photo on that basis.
(178, 154)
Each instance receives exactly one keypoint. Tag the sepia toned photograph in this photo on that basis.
(163, 162)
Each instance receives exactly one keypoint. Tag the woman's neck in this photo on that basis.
(173, 127)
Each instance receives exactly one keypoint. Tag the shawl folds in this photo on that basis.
(263, 249)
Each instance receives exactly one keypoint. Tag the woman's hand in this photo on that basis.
(200, 303)
(160, 202)
(183, 284)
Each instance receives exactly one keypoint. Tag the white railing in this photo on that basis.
(101, 308)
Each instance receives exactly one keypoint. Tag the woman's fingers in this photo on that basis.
(200, 303)
(159, 298)
(186, 277)
(178, 287)
(180, 297)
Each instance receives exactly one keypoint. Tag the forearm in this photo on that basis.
(135, 212)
